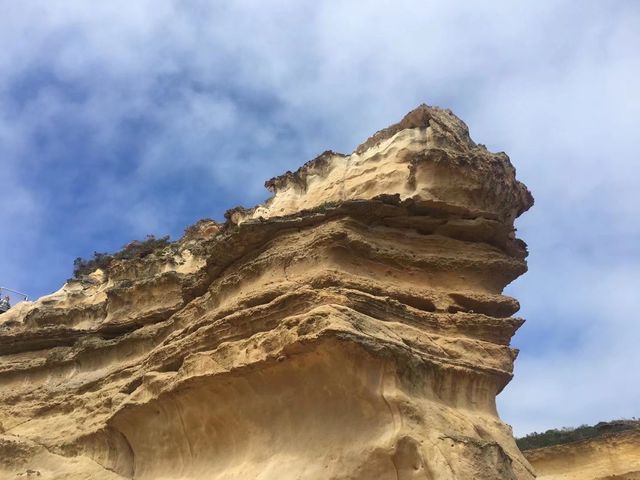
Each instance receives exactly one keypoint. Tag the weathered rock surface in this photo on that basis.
(352, 327)
(614, 456)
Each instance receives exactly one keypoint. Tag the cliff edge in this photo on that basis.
(611, 452)
(352, 327)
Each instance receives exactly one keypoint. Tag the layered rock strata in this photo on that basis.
(614, 456)
(352, 327)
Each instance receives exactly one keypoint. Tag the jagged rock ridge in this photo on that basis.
(353, 326)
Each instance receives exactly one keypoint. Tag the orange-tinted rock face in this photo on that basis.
(353, 326)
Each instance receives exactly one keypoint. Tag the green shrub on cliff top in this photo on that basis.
(569, 435)
(133, 250)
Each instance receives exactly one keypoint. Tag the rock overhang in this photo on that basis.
(391, 260)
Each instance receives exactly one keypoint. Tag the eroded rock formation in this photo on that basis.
(614, 456)
(353, 327)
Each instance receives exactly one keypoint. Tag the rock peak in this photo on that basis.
(422, 117)
(427, 157)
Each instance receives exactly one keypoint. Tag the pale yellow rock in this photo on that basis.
(428, 157)
(609, 457)
(352, 327)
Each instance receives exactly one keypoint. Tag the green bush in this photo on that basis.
(568, 435)
(133, 250)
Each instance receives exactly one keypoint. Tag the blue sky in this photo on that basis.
(120, 118)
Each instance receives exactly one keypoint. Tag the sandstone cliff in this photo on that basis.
(610, 456)
(353, 327)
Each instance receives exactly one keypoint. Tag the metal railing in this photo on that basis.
(24, 295)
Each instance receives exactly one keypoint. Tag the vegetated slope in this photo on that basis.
(568, 435)
(606, 451)
(353, 326)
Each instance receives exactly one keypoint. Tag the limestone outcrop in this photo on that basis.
(610, 456)
(352, 327)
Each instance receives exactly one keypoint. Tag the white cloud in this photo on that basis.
(237, 92)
